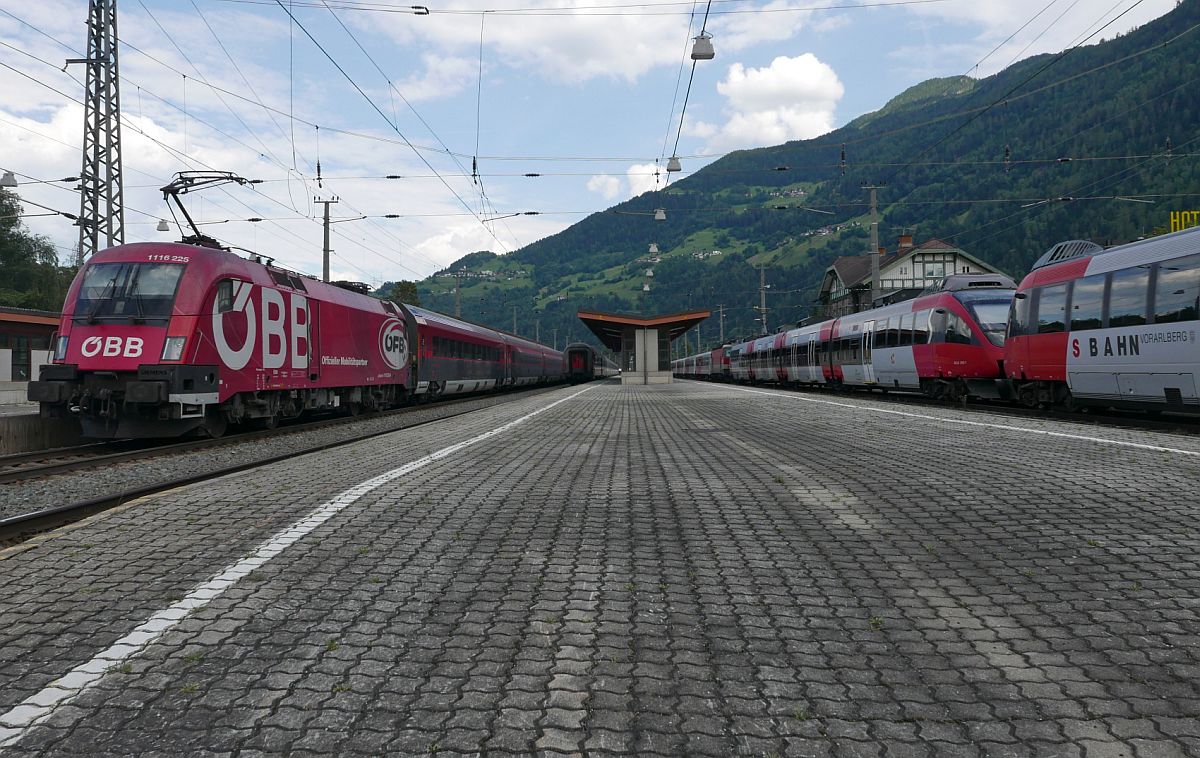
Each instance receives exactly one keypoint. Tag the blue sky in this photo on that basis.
(580, 92)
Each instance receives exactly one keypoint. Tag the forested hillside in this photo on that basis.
(1004, 167)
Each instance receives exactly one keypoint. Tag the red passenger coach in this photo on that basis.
(160, 340)
(1112, 327)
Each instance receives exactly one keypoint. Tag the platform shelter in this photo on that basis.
(643, 342)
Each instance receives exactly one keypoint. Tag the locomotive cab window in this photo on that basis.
(136, 291)
(1177, 290)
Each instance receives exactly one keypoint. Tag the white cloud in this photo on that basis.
(641, 178)
(608, 186)
(443, 76)
(573, 44)
(792, 98)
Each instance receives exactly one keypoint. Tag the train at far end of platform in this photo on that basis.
(585, 363)
(166, 340)
(946, 342)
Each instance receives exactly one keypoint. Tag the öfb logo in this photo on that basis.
(392, 345)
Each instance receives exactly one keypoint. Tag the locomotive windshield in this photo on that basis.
(989, 308)
(134, 291)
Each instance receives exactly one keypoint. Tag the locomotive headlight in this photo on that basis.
(60, 349)
(173, 348)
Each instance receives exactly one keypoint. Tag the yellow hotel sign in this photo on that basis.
(1184, 220)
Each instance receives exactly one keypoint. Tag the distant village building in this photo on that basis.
(903, 273)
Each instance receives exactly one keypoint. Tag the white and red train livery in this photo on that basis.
(1115, 327)
(947, 341)
(159, 340)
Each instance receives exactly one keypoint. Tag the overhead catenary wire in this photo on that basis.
(375, 107)
(626, 9)
(142, 132)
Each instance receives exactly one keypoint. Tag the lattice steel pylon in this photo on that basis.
(102, 206)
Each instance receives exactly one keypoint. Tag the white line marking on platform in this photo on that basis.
(41, 705)
(964, 422)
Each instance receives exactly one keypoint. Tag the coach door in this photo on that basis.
(868, 337)
(811, 366)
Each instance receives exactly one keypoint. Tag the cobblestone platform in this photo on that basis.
(684, 570)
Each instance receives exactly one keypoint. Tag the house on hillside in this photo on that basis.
(903, 273)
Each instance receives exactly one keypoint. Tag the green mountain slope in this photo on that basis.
(1095, 124)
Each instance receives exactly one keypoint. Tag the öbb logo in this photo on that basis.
(392, 345)
(281, 327)
(111, 347)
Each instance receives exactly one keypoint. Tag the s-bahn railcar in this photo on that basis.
(162, 340)
(1115, 327)
(585, 363)
(946, 342)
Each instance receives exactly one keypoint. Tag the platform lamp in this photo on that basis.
(8, 181)
(653, 247)
(660, 214)
(673, 165)
(702, 50)
(163, 226)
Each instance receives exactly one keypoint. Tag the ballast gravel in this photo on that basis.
(17, 498)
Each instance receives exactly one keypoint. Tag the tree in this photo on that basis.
(402, 291)
(32, 277)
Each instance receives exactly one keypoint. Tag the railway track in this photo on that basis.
(15, 529)
(25, 466)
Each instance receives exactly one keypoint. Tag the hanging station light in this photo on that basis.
(9, 180)
(702, 50)
(673, 165)
(660, 214)
(654, 247)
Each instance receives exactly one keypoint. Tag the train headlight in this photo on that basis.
(173, 348)
(60, 349)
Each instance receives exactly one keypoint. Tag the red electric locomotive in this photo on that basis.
(1113, 327)
(162, 340)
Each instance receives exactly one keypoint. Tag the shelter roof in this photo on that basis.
(610, 326)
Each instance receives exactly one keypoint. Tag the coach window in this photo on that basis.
(1127, 297)
(906, 330)
(1177, 290)
(880, 337)
(1087, 303)
(1052, 308)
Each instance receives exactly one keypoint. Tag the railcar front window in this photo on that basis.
(990, 310)
(137, 291)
